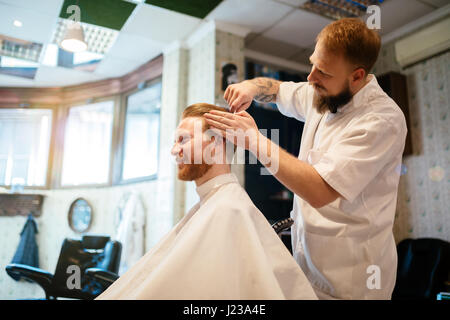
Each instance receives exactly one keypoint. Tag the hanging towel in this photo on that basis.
(27, 251)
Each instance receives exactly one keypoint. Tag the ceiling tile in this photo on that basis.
(195, 8)
(57, 76)
(36, 26)
(115, 67)
(436, 3)
(294, 3)
(273, 47)
(256, 15)
(135, 48)
(48, 7)
(299, 28)
(110, 14)
(396, 13)
(160, 25)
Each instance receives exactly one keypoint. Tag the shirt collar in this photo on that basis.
(211, 184)
(361, 97)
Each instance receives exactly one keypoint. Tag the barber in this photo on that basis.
(346, 176)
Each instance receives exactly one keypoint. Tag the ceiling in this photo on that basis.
(144, 28)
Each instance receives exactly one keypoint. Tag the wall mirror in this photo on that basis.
(80, 215)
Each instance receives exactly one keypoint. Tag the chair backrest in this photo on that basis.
(92, 251)
(423, 266)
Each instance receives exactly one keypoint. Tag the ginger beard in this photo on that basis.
(190, 172)
(332, 103)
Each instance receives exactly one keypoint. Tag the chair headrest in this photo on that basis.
(94, 241)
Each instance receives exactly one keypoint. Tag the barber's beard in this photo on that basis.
(332, 103)
(190, 172)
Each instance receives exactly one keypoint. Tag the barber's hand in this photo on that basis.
(239, 128)
(240, 95)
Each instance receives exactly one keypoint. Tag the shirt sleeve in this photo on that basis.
(359, 155)
(292, 99)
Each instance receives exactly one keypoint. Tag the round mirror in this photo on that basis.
(80, 215)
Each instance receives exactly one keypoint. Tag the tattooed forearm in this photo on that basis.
(267, 89)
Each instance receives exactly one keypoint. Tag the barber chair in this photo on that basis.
(281, 227)
(423, 269)
(92, 251)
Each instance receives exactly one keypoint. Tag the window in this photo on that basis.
(141, 138)
(87, 144)
(24, 146)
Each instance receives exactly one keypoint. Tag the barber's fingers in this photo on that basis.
(232, 101)
(217, 124)
(244, 105)
(226, 118)
(242, 102)
(244, 114)
(227, 93)
(221, 114)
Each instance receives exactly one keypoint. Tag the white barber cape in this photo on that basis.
(347, 248)
(224, 248)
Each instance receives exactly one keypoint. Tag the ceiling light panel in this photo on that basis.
(98, 39)
(20, 49)
(337, 9)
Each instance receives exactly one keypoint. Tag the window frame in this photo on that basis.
(65, 110)
(61, 99)
(51, 149)
(124, 103)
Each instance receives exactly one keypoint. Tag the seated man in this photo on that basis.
(223, 248)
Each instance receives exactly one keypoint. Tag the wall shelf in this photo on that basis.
(12, 204)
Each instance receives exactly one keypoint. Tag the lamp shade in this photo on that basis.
(74, 39)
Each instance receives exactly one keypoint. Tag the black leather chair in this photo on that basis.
(423, 268)
(91, 251)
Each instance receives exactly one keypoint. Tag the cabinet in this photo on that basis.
(395, 85)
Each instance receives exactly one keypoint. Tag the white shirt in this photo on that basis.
(359, 154)
(224, 248)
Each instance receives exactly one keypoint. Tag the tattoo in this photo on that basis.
(267, 89)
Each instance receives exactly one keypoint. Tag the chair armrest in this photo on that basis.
(41, 277)
(282, 225)
(101, 275)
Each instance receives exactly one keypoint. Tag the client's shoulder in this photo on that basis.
(234, 198)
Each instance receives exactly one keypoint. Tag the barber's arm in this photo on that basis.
(298, 176)
(240, 95)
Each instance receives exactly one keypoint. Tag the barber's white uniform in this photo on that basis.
(358, 152)
(224, 248)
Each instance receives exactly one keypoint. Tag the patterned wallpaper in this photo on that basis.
(424, 190)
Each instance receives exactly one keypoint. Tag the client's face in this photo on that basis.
(188, 149)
